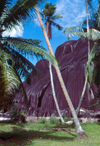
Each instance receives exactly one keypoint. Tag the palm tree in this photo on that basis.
(48, 15)
(13, 66)
(92, 67)
(86, 82)
(80, 131)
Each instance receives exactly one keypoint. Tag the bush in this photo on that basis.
(54, 120)
(42, 120)
(17, 115)
(66, 118)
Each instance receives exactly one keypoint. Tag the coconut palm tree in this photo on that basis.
(13, 65)
(86, 82)
(80, 131)
(92, 67)
(48, 15)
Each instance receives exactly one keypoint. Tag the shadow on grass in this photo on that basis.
(22, 136)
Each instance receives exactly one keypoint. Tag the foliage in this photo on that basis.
(66, 118)
(15, 113)
(12, 13)
(53, 120)
(49, 16)
(74, 30)
(93, 65)
(42, 120)
(12, 62)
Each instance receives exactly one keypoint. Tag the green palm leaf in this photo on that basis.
(21, 64)
(29, 46)
(56, 25)
(57, 16)
(9, 81)
(93, 67)
(75, 30)
(19, 11)
(48, 15)
(94, 34)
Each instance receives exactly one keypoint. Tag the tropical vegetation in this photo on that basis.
(49, 16)
(93, 33)
(13, 66)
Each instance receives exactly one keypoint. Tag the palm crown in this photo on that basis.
(48, 14)
(13, 65)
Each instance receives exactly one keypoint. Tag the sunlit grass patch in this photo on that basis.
(48, 134)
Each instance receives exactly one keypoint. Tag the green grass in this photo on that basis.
(37, 134)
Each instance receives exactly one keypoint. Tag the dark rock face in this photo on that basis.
(72, 56)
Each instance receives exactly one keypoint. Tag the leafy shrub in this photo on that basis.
(42, 120)
(15, 113)
(54, 120)
(66, 118)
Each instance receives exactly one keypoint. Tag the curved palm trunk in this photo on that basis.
(80, 131)
(82, 96)
(54, 94)
(86, 84)
(49, 34)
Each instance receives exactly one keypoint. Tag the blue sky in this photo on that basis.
(73, 12)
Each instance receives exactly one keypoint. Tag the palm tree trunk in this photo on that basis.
(49, 34)
(80, 131)
(48, 28)
(86, 84)
(82, 96)
(87, 27)
(54, 94)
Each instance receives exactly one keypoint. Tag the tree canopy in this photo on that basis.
(13, 65)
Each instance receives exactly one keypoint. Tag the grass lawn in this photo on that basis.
(36, 134)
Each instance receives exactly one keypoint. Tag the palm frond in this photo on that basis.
(94, 34)
(78, 31)
(93, 65)
(49, 9)
(75, 31)
(56, 25)
(8, 81)
(30, 47)
(3, 4)
(21, 64)
(73, 28)
(56, 16)
(23, 90)
(19, 12)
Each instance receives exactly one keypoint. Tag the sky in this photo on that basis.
(73, 12)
